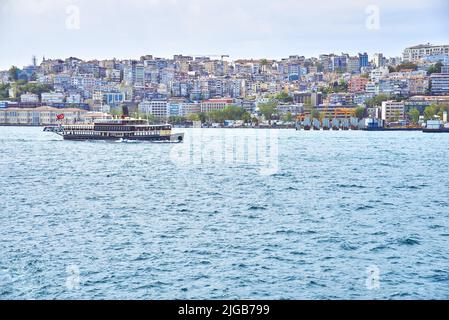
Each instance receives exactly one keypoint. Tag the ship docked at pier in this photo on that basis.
(118, 129)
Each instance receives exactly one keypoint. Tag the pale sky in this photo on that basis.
(240, 28)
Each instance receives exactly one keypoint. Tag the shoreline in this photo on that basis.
(261, 128)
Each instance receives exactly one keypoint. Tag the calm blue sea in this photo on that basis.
(229, 214)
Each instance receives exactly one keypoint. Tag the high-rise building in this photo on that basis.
(379, 60)
(134, 74)
(353, 65)
(439, 84)
(393, 111)
(339, 63)
(363, 60)
(418, 52)
(158, 108)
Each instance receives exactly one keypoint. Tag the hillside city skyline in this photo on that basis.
(241, 29)
(213, 56)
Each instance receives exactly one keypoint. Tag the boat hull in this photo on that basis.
(174, 138)
(442, 130)
(391, 129)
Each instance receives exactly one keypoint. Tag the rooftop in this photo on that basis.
(421, 46)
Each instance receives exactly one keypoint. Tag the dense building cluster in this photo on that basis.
(186, 85)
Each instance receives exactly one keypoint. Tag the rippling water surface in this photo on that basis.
(96, 220)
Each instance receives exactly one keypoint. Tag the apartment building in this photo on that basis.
(52, 97)
(215, 104)
(439, 84)
(357, 84)
(158, 108)
(40, 116)
(415, 53)
(392, 111)
(29, 98)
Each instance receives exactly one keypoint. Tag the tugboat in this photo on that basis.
(118, 129)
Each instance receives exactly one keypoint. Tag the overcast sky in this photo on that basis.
(240, 28)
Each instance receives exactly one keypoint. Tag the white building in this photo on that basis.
(377, 74)
(158, 108)
(73, 98)
(29, 97)
(372, 88)
(40, 116)
(418, 52)
(379, 60)
(392, 111)
(52, 97)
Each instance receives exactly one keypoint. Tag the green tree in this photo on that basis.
(13, 73)
(176, 119)
(314, 113)
(36, 88)
(406, 66)
(414, 115)
(193, 117)
(117, 112)
(430, 112)
(360, 112)
(202, 117)
(284, 97)
(4, 91)
(435, 68)
(268, 109)
(376, 101)
(151, 118)
(288, 117)
(246, 117)
(440, 108)
(232, 112)
(337, 86)
(215, 116)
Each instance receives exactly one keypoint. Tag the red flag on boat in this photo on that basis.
(60, 116)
